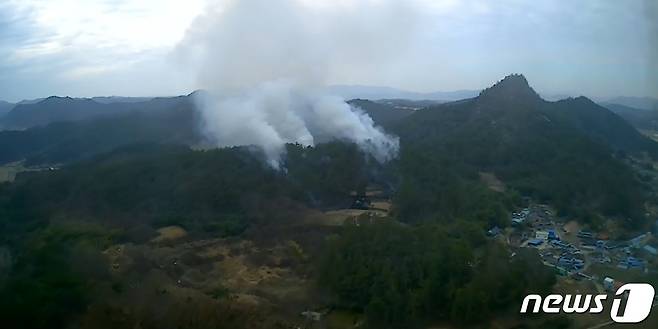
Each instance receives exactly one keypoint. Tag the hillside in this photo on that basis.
(641, 103)
(560, 152)
(98, 234)
(602, 125)
(53, 109)
(5, 107)
(162, 120)
(639, 118)
(65, 109)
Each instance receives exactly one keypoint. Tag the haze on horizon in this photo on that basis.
(141, 48)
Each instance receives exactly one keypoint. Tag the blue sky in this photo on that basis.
(129, 47)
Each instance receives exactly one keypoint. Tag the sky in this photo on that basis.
(147, 47)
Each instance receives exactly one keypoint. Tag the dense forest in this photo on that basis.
(167, 120)
(52, 221)
(541, 149)
(49, 219)
(404, 277)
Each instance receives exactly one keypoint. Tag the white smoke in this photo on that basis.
(265, 64)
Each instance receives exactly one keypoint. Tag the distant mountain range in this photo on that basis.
(389, 93)
(80, 122)
(161, 120)
(99, 99)
(639, 118)
(382, 113)
(5, 107)
(120, 99)
(43, 111)
(642, 103)
(375, 93)
(641, 112)
(27, 114)
(52, 109)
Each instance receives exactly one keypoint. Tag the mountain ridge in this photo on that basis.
(382, 92)
(514, 87)
(54, 109)
(543, 149)
(642, 103)
(5, 107)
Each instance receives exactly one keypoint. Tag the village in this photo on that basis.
(598, 260)
(576, 254)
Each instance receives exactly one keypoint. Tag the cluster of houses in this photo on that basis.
(623, 251)
(536, 227)
(571, 263)
(631, 262)
(565, 257)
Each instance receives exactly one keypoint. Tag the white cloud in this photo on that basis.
(93, 37)
(586, 47)
(129, 25)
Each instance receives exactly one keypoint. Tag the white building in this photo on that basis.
(542, 235)
(608, 284)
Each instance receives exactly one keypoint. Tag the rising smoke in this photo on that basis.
(265, 64)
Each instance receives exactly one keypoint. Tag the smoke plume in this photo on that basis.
(265, 64)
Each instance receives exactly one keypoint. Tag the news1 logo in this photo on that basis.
(632, 303)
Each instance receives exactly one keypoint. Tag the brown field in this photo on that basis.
(492, 182)
(267, 270)
(169, 234)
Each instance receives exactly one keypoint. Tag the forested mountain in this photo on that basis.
(146, 183)
(561, 152)
(65, 109)
(106, 126)
(52, 220)
(513, 101)
(602, 125)
(161, 120)
(5, 107)
(53, 109)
